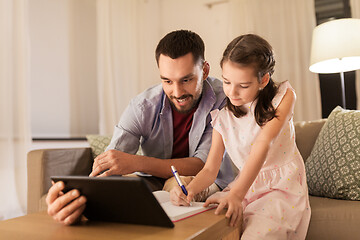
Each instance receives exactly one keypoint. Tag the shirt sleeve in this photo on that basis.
(127, 132)
(203, 148)
(205, 143)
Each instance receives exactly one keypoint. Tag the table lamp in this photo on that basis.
(335, 48)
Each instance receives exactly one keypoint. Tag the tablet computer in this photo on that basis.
(118, 199)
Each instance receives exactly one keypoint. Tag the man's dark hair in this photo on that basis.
(179, 43)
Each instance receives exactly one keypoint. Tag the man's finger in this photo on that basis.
(105, 173)
(75, 216)
(54, 192)
(98, 160)
(99, 169)
(71, 208)
(100, 156)
(62, 201)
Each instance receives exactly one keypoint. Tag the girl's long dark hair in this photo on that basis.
(252, 50)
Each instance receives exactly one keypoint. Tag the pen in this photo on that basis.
(177, 177)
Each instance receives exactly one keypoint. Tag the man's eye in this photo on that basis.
(167, 81)
(186, 80)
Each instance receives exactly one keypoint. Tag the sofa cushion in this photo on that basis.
(306, 135)
(98, 143)
(333, 167)
(333, 219)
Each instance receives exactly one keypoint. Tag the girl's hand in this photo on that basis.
(230, 201)
(178, 198)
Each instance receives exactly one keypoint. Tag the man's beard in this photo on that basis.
(193, 104)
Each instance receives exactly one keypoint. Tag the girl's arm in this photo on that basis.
(209, 172)
(205, 177)
(262, 145)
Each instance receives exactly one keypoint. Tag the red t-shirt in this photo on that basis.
(182, 125)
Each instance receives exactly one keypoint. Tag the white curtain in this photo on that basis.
(355, 13)
(288, 26)
(117, 59)
(127, 34)
(14, 125)
(355, 8)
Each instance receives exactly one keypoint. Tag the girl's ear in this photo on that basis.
(206, 70)
(265, 80)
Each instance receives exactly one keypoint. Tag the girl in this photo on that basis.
(269, 195)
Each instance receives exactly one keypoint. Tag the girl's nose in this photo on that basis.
(233, 91)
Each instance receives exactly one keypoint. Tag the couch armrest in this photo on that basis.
(306, 135)
(43, 163)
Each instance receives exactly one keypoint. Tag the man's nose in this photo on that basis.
(178, 90)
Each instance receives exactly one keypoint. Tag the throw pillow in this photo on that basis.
(98, 143)
(333, 167)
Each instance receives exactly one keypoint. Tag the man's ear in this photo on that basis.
(206, 69)
(265, 80)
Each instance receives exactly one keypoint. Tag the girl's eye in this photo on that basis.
(244, 86)
(226, 82)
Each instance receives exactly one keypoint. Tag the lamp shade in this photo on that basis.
(336, 46)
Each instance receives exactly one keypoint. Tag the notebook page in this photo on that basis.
(177, 213)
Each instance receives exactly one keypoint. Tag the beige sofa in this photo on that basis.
(331, 218)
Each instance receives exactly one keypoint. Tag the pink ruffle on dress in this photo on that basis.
(277, 204)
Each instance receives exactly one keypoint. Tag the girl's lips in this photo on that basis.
(236, 102)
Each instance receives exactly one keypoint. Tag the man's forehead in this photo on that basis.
(190, 75)
(187, 57)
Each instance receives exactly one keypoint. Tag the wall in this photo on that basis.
(64, 100)
(63, 60)
(63, 68)
(211, 23)
(50, 102)
(83, 68)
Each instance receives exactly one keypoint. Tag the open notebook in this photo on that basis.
(177, 213)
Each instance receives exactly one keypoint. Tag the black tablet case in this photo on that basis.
(118, 199)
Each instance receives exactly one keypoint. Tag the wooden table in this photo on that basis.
(40, 226)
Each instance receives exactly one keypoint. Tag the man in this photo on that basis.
(170, 121)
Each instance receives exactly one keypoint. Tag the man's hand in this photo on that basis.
(230, 201)
(65, 208)
(113, 162)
